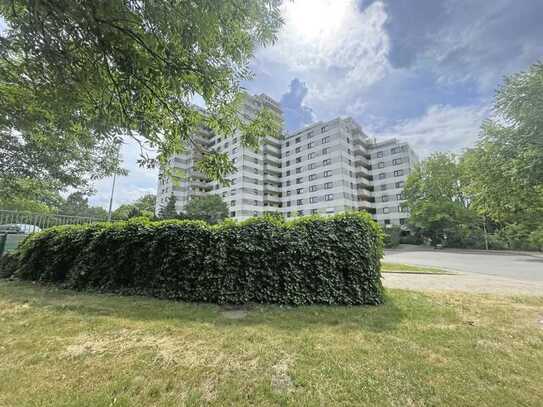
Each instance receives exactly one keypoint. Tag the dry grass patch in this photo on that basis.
(62, 348)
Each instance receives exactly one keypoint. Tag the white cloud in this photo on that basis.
(335, 47)
(138, 182)
(441, 128)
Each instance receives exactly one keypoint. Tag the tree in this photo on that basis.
(146, 203)
(77, 204)
(439, 208)
(76, 75)
(144, 206)
(210, 208)
(504, 171)
(168, 211)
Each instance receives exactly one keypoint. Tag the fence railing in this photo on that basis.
(29, 222)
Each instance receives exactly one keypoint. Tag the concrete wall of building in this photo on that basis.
(325, 168)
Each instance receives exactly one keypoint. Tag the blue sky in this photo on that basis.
(424, 71)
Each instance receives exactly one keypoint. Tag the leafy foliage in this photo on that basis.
(144, 206)
(439, 208)
(209, 208)
(76, 75)
(169, 211)
(333, 260)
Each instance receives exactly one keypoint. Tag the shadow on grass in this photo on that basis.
(95, 306)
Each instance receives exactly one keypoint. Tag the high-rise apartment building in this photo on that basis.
(256, 185)
(325, 168)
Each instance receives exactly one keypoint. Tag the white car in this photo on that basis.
(25, 228)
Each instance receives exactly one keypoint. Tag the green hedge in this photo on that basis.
(310, 260)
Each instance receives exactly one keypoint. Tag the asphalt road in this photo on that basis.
(518, 266)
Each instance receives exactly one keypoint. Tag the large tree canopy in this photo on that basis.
(504, 171)
(75, 75)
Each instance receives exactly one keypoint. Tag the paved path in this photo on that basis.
(481, 272)
(518, 266)
(466, 282)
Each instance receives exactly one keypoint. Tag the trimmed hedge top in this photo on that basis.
(309, 260)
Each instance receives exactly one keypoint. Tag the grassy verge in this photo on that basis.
(408, 268)
(60, 348)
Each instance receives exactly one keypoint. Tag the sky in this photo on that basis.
(423, 71)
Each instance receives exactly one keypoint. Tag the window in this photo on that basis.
(289, 203)
(298, 149)
(313, 188)
(328, 185)
(400, 184)
(298, 139)
(386, 210)
(398, 173)
(234, 150)
(314, 211)
(232, 203)
(328, 173)
(382, 175)
(299, 180)
(313, 199)
(310, 134)
(325, 151)
(312, 177)
(311, 155)
(325, 139)
(310, 145)
(287, 153)
(299, 202)
(400, 197)
(288, 184)
(299, 170)
(395, 150)
(379, 154)
(383, 187)
(329, 197)
(402, 221)
(323, 129)
(381, 164)
(311, 166)
(348, 140)
(287, 163)
(301, 212)
(299, 191)
(287, 173)
(288, 193)
(232, 214)
(397, 161)
(387, 221)
(288, 144)
(298, 159)
(384, 198)
(326, 162)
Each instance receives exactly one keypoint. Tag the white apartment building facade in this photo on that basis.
(325, 168)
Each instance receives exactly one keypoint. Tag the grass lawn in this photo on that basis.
(60, 348)
(408, 268)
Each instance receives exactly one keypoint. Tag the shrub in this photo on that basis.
(392, 236)
(308, 260)
(8, 265)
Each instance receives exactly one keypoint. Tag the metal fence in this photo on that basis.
(29, 222)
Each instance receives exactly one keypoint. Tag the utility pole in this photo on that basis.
(119, 142)
(484, 229)
(111, 197)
